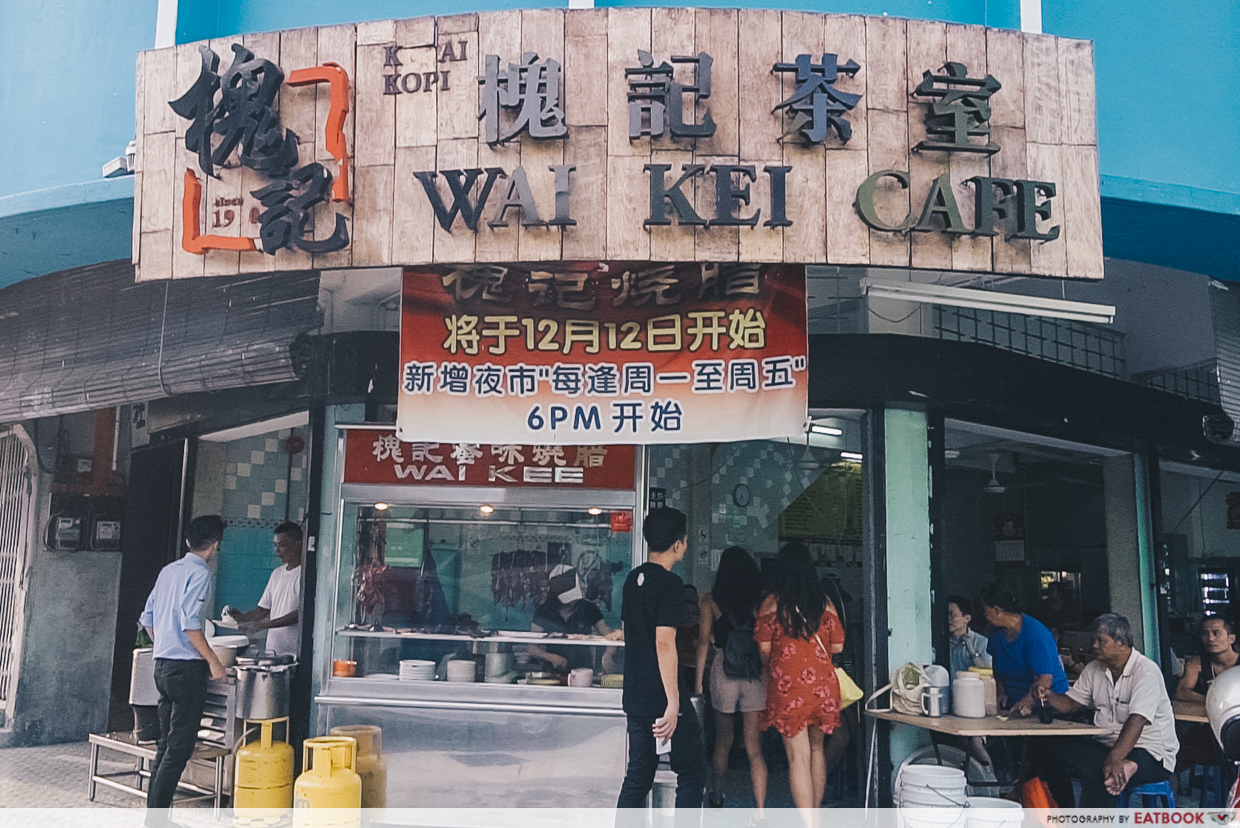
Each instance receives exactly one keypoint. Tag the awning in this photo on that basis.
(92, 337)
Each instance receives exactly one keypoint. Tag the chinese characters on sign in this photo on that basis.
(657, 100)
(603, 354)
(816, 104)
(960, 112)
(532, 87)
(379, 456)
(235, 113)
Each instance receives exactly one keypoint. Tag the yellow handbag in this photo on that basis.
(850, 693)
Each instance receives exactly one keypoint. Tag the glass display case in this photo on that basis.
(479, 625)
(526, 595)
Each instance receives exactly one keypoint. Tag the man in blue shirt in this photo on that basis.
(1023, 651)
(173, 618)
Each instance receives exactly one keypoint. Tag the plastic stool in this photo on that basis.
(1159, 789)
(1212, 793)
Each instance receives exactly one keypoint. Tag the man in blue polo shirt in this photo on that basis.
(1023, 651)
(184, 662)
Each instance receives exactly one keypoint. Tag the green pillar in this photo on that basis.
(907, 497)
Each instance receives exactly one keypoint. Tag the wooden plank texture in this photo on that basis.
(848, 239)
(1048, 258)
(1043, 108)
(673, 242)
(1076, 83)
(1082, 209)
(967, 45)
(672, 33)
(586, 149)
(372, 237)
(761, 243)
(628, 30)
(1010, 255)
(845, 37)
(716, 34)
(413, 219)
(458, 245)
(542, 32)
(721, 243)
(585, 76)
(759, 90)
(889, 151)
(1005, 59)
(927, 52)
(628, 204)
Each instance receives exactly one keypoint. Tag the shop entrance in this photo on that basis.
(1200, 514)
(1054, 523)
(759, 495)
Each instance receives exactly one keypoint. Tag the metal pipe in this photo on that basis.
(358, 701)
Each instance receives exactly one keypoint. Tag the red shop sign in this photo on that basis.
(378, 456)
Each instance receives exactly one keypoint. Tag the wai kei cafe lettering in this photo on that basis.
(621, 134)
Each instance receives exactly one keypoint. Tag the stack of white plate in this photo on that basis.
(417, 670)
(462, 670)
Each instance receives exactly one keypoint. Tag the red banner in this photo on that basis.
(379, 456)
(603, 353)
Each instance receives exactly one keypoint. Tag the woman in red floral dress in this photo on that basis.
(798, 631)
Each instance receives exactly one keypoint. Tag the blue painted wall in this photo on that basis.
(1168, 123)
(198, 20)
(67, 87)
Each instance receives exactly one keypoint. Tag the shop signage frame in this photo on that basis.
(665, 134)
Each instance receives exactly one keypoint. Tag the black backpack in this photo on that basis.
(741, 657)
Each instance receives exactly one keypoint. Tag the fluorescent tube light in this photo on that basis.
(989, 300)
(851, 455)
(830, 431)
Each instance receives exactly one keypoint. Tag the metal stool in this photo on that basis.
(1146, 792)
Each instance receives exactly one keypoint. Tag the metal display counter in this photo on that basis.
(465, 583)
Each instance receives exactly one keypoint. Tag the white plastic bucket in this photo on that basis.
(990, 812)
(930, 786)
(917, 816)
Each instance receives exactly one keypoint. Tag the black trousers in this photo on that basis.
(182, 689)
(688, 760)
(1086, 756)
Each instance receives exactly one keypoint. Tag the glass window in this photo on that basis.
(425, 583)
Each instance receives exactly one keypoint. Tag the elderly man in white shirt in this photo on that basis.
(1129, 698)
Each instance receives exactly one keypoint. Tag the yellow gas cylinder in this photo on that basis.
(264, 771)
(329, 791)
(370, 764)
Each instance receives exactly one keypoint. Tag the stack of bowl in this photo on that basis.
(417, 670)
(462, 670)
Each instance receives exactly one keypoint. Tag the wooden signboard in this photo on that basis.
(665, 134)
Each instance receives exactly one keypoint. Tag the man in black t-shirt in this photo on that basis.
(652, 608)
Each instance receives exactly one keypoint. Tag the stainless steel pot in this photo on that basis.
(262, 690)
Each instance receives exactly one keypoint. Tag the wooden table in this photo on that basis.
(1187, 711)
(991, 725)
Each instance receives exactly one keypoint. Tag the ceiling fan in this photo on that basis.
(994, 486)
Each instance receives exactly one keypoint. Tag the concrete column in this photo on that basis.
(1128, 546)
(907, 496)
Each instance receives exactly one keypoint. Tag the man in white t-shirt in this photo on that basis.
(279, 610)
(1129, 698)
